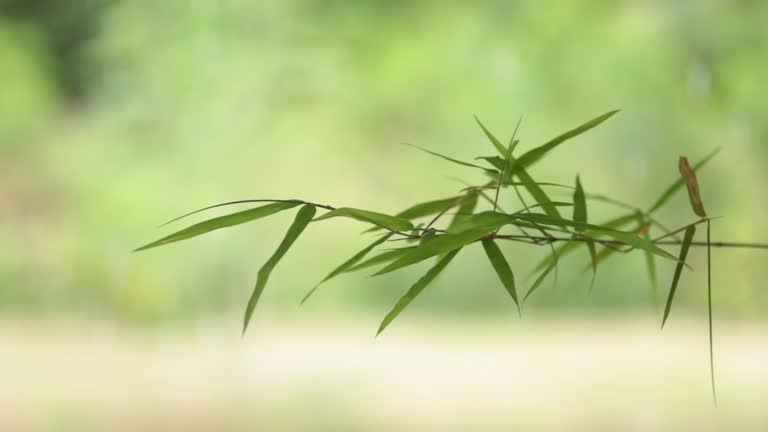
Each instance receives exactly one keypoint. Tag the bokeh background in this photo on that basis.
(117, 115)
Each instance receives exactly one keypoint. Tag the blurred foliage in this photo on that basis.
(116, 115)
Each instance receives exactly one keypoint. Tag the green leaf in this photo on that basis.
(650, 264)
(679, 183)
(500, 264)
(628, 238)
(593, 259)
(580, 204)
(300, 222)
(221, 222)
(542, 276)
(569, 247)
(531, 185)
(346, 265)
(427, 208)
(417, 288)
(495, 141)
(440, 245)
(393, 223)
(465, 209)
(687, 239)
(384, 257)
(450, 159)
(534, 155)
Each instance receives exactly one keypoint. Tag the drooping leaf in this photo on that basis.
(221, 222)
(552, 265)
(465, 210)
(383, 257)
(532, 156)
(450, 159)
(417, 288)
(679, 183)
(630, 239)
(569, 247)
(593, 258)
(300, 222)
(440, 245)
(650, 264)
(501, 266)
(393, 223)
(687, 239)
(346, 265)
(694, 192)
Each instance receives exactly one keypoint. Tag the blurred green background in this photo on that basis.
(118, 115)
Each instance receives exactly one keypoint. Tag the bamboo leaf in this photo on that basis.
(450, 159)
(541, 277)
(630, 239)
(417, 288)
(346, 265)
(465, 210)
(440, 245)
(423, 209)
(495, 141)
(687, 239)
(221, 222)
(530, 184)
(501, 266)
(384, 257)
(569, 247)
(593, 258)
(534, 155)
(650, 264)
(300, 222)
(679, 183)
(580, 204)
(694, 192)
(393, 223)
(427, 208)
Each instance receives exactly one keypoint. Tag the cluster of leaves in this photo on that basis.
(538, 222)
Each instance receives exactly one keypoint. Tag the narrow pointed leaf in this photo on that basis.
(552, 265)
(346, 265)
(221, 222)
(500, 264)
(383, 257)
(687, 239)
(579, 204)
(427, 209)
(423, 209)
(417, 288)
(440, 245)
(534, 155)
(495, 141)
(629, 238)
(393, 223)
(569, 247)
(450, 159)
(650, 264)
(300, 222)
(694, 191)
(530, 184)
(672, 189)
(593, 259)
(465, 210)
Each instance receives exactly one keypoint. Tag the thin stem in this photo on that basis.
(709, 306)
